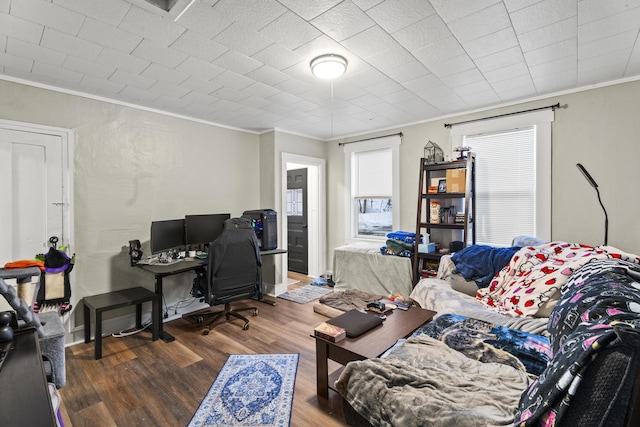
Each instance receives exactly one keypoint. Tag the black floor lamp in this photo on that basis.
(594, 185)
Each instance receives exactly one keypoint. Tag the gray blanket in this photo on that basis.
(425, 383)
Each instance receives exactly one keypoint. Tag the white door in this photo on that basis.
(33, 169)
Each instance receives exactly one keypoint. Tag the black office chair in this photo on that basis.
(234, 272)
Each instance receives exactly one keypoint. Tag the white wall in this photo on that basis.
(133, 167)
(599, 128)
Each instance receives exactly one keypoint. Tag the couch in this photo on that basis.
(552, 340)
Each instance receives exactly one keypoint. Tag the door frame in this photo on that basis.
(67, 137)
(317, 200)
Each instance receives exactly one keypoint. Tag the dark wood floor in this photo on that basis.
(139, 382)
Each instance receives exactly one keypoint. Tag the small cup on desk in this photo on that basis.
(192, 254)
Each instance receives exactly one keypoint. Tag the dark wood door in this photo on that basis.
(297, 235)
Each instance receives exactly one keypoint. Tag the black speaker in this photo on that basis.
(265, 224)
(135, 252)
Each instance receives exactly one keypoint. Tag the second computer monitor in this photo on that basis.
(204, 229)
(167, 235)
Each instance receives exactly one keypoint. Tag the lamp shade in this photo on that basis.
(328, 66)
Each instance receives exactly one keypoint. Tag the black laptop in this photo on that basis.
(355, 322)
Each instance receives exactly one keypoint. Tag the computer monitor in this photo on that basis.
(167, 235)
(204, 229)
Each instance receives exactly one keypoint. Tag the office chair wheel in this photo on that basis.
(255, 311)
(205, 331)
(245, 326)
(200, 319)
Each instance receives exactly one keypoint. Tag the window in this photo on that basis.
(372, 178)
(513, 175)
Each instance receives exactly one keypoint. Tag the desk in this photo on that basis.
(161, 271)
(24, 394)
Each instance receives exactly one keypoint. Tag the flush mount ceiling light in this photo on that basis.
(328, 66)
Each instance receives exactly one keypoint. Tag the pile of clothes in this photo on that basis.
(400, 243)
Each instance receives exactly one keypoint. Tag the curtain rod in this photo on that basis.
(553, 107)
(340, 144)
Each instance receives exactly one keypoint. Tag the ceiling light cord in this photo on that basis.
(331, 108)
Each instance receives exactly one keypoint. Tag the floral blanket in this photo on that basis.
(535, 274)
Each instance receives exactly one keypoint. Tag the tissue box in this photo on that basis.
(427, 248)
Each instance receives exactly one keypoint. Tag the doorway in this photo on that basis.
(316, 210)
(297, 217)
(35, 180)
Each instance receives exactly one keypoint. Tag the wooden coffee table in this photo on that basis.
(399, 324)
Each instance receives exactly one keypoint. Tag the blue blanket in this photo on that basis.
(480, 262)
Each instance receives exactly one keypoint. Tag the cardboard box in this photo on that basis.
(456, 180)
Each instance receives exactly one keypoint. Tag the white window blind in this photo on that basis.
(372, 172)
(505, 184)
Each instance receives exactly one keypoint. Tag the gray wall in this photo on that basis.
(599, 128)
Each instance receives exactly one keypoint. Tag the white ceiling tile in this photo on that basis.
(560, 65)
(508, 72)
(37, 53)
(453, 10)
(205, 20)
(492, 43)
(260, 90)
(440, 51)
(370, 42)
(422, 33)
(169, 89)
(155, 52)
(543, 14)
(257, 13)
(237, 62)
(174, 103)
(63, 42)
(195, 44)
(554, 82)
(552, 52)
(609, 26)
(449, 103)
(168, 75)
(277, 57)
(452, 66)
(106, 35)
(201, 69)
(242, 39)
(290, 31)
(309, 10)
(199, 98)
(29, 76)
(110, 12)
(622, 41)
(200, 85)
(513, 5)
(482, 99)
(233, 80)
(390, 58)
(268, 75)
(229, 94)
(122, 61)
(136, 94)
(102, 86)
(608, 66)
(367, 4)
(14, 26)
(294, 86)
(499, 60)
(57, 73)
(4, 6)
(470, 76)
(593, 10)
(131, 79)
(393, 15)
(407, 72)
(422, 83)
(15, 62)
(482, 23)
(343, 21)
(3, 43)
(556, 32)
(150, 26)
(48, 14)
(92, 68)
(522, 81)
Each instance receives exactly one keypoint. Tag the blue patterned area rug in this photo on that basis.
(305, 294)
(250, 390)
